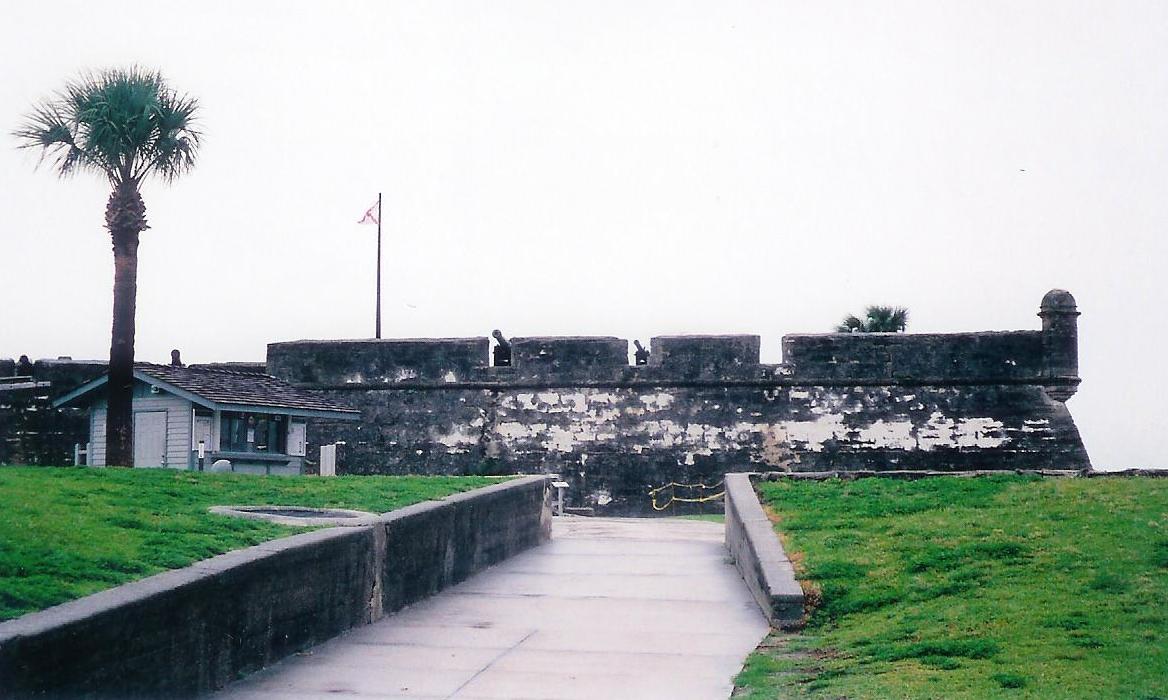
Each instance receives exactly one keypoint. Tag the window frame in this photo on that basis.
(253, 432)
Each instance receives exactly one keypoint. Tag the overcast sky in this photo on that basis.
(618, 168)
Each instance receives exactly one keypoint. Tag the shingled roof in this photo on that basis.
(223, 389)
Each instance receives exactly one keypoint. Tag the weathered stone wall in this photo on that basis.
(703, 406)
(964, 357)
(31, 430)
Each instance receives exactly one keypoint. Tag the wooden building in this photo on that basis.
(255, 422)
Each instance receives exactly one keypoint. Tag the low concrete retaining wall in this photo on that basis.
(912, 474)
(470, 531)
(193, 630)
(758, 554)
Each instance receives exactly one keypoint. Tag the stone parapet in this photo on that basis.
(759, 557)
(405, 360)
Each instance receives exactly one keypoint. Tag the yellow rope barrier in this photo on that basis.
(673, 498)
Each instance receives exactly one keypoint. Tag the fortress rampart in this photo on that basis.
(701, 406)
(31, 430)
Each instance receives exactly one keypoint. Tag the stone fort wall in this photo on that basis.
(31, 430)
(701, 407)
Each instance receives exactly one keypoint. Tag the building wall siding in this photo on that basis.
(178, 427)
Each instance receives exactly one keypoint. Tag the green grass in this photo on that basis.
(706, 517)
(1000, 587)
(67, 532)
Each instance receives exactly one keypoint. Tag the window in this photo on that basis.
(253, 432)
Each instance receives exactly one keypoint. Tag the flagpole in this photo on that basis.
(378, 335)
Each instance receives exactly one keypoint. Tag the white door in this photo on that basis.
(150, 439)
(296, 439)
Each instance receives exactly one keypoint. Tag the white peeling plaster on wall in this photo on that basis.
(894, 435)
(518, 401)
(659, 402)
(809, 434)
(562, 440)
(1041, 425)
(593, 421)
(461, 437)
(552, 402)
(596, 407)
(576, 403)
(514, 430)
(832, 405)
(966, 432)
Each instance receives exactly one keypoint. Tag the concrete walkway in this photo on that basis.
(610, 608)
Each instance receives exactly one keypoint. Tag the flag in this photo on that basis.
(370, 216)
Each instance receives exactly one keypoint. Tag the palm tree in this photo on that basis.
(878, 319)
(126, 125)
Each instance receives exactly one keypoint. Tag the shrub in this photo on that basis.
(1010, 680)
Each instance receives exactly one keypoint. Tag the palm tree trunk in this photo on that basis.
(125, 217)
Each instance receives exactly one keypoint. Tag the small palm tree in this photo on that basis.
(878, 319)
(126, 125)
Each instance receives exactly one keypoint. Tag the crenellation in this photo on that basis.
(985, 357)
(568, 355)
(694, 356)
(704, 405)
(377, 362)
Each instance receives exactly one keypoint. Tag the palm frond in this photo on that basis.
(178, 139)
(48, 129)
(124, 123)
(886, 319)
(877, 319)
(851, 324)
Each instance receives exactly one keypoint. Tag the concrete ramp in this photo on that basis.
(610, 608)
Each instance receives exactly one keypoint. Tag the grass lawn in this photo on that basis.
(707, 517)
(998, 587)
(69, 532)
